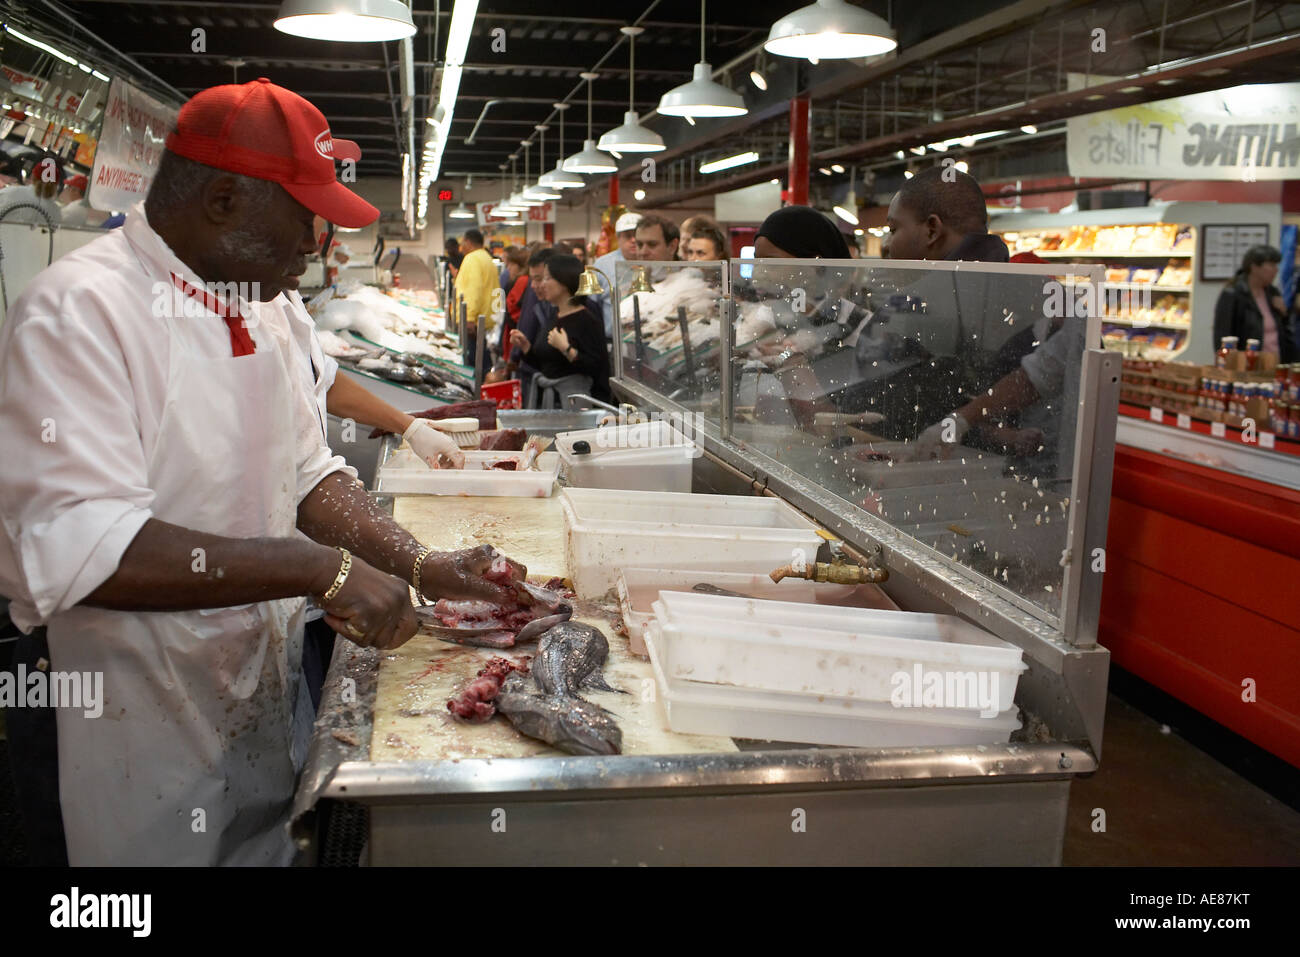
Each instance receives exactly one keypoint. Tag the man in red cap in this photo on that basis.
(168, 501)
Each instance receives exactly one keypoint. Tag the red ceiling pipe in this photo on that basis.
(800, 106)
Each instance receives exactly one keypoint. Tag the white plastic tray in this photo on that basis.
(820, 650)
(694, 708)
(608, 529)
(639, 588)
(646, 456)
(404, 473)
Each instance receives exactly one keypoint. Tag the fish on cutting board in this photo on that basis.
(545, 705)
(485, 624)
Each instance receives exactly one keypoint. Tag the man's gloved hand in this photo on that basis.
(435, 448)
(940, 439)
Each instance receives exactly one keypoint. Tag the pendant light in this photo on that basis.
(358, 21)
(849, 211)
(631, 137)
(535, 190)
(560, 178)
(702, 96)
(503, 208)
(517, 199)
(830, 30)
(591, 160)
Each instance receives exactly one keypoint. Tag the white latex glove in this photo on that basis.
(940, 439)
(559, 340)
(436, 449)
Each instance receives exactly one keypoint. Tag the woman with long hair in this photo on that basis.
(1251, 307)
(573, 342)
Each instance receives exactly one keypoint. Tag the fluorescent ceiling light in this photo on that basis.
(836, 167)
(1029, 128)
(357, 21)
(462, 22)
(917, 150)
(824, 171)
(830, 30)
(740, 159)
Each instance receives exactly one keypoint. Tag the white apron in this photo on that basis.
(194, 758)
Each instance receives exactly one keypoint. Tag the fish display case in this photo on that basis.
(832, 386)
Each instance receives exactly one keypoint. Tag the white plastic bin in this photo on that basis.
(842, 652)
(694, 708)
(405, 473)
(607, 530)
(646, 456)
(639, 588)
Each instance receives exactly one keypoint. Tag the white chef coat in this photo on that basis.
(316, 371)
(113, 411)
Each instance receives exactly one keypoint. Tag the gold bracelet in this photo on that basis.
(425, 552)
(344, 567)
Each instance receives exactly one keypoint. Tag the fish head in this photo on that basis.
(589, 729)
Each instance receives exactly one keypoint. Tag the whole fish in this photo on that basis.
(569, 658)
(568, 723)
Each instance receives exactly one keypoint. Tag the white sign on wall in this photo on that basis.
(1245, 133)
(130, 147)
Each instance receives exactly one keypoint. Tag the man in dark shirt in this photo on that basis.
(940, 214)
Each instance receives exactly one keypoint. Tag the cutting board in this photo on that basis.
(411, 720)
(529, 530)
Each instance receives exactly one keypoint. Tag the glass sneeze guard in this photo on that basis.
(850, 373)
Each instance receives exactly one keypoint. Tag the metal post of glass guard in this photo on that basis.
(639, 345)
(688, 354)
(480, 353)
(727, 357)
(461, 324)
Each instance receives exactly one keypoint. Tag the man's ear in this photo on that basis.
(221, 200)
(933, 229)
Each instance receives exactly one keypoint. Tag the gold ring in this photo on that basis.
(354, 631)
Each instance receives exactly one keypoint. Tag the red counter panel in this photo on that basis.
(1202, 591)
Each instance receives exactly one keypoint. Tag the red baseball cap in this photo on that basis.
(262, 130)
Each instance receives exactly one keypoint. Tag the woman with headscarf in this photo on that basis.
(799, 232)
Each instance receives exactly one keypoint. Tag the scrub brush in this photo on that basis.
(464, 431)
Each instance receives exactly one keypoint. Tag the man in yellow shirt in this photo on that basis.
(479, 283)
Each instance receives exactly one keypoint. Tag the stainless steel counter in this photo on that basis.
(767, 803)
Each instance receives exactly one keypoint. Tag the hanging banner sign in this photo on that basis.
(130, 147)
(534, 214)
(1245, 133)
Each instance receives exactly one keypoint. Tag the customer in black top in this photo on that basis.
(573, 341)
(1251, 307)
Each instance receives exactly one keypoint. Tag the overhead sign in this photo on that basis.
(534, 214)
(1244, 133)
(130, 147)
